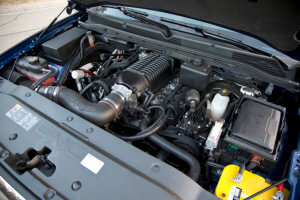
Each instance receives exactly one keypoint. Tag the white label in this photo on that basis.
(235, 193)
(244, 196)
(92, 163)
(214, 135)
(22, 117)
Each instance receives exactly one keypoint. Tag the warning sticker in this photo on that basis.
(235, 193)
(22, 117)
(92, 163)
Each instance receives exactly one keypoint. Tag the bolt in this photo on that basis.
(28, 94)
(268, 180)
(76, 185)
(70, 118)
(89, 130)
(49, 194)
(3, 154)
(155, 167)
(223, 195)
(13, 136)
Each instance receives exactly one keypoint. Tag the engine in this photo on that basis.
(131, 82)
(146, 73)
(186, 114)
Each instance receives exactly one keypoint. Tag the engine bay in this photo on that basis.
(199, 118)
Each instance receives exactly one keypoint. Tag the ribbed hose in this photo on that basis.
(100, 113)
(15, 77)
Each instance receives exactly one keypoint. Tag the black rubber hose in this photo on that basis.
(151, 129)
(162, 155)
(77, 57)
(123, 64)
(251, 166)
(83, 39)
(190, 160)
(13, 76)
(215, 86)
(118, 65)
(44, 78)
(209, 164)
(38, 82)
(214, 165)
(13, 68)
(229, 109)
(98, 113)
(98, 82)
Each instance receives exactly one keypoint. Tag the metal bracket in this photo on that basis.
(238, 178)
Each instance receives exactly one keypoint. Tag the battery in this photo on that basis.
(250, 184)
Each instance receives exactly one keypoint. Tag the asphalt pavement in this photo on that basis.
(18, 21)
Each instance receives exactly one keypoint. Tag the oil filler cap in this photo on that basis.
(33, 59)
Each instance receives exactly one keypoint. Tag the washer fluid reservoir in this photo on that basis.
(218, 106)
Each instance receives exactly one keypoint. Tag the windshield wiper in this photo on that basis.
(136, 15)
(209, 34)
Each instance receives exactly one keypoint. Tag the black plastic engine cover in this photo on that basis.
(90, 162)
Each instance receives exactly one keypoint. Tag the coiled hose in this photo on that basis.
(146, 132)
(97, 82)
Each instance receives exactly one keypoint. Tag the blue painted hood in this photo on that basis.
(275, 22)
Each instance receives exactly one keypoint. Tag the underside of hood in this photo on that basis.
(276, 22)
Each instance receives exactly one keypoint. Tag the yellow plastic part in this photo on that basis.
(250, 184)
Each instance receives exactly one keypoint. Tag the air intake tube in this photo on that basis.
(99, 113)
(143, 74)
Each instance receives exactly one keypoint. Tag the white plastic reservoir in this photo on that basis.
(218, 107)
